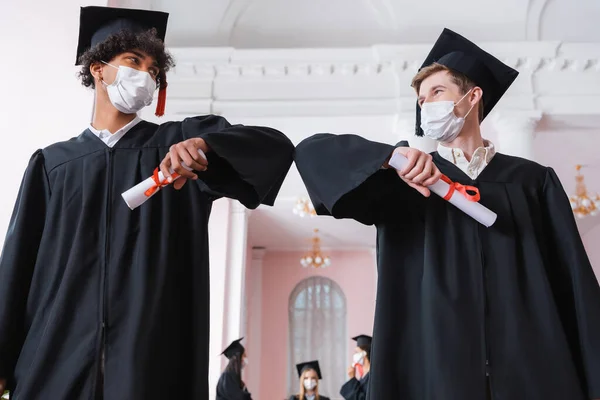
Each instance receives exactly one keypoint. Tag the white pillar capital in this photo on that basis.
(516, 132)
(519, 121)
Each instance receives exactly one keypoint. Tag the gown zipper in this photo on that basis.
(102, 348)
(488, 364)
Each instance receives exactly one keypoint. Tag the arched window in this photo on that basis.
(317, 312)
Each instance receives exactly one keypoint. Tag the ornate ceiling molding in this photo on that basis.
(270, 82)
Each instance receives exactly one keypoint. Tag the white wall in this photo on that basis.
(41, 100)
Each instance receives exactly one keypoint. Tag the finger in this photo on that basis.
(164, 167)
(177, 167)
(425, 174)
(192, 158)
(179, 183)
(417, 169)
(186, 158)
(184, 155)
(193, 150)
(412, 157)
(437, 175)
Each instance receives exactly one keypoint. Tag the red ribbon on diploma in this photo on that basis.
(358, 370)
(462, 189)
(157, 183)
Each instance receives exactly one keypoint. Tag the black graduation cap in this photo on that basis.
(235, 348)
(363, 340)
(96, 24)
(309, 365)
(461, 55)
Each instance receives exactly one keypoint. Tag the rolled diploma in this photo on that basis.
(473, 209)
(136, 196)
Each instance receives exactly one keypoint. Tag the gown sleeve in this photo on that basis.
(352, 390)
(345, 179)
(246, 163)
(228, 388)
(573, 281)
(18, 260)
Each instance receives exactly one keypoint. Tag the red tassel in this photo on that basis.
(162, 100)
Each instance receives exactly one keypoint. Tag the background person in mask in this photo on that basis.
(230, 385)
(464, 311)
(97, 300)
(358, 385)
(309, 374)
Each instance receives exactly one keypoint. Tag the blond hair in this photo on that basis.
(461, 80)
(303, 389)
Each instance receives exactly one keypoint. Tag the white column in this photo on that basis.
(218, 230)
(404, 129)
(236, 271)
(373, 252)
(516, 132)
(228, 228)
(254, 324)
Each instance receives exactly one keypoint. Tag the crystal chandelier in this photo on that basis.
(304, 207)
(583, 204)
(314, 258)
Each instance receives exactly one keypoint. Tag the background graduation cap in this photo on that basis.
(461, 55)
(309, 365)
(234, 349)
(363, 340)
(96, 24)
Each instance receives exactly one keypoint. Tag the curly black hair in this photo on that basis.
(120, 43)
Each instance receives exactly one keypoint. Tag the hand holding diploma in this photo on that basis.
(190, 153)
(177, 167)
(463, 197)
(418, 171)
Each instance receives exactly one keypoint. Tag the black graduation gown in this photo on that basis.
(296, 397)
(356, 389)
(82, 275)
(229, 388)
(456, 300)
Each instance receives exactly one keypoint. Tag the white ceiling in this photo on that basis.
(277, 228)
(354, 23)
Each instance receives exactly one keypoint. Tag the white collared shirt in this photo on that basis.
(480, 159)
(110, 139)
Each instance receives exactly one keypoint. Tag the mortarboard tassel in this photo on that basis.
(162, 100)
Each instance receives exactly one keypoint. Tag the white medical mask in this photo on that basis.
(359, 358)
(310, 384)
(245, 362)
(132, 90)
(439, 122)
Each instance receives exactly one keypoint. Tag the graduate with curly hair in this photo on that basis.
(100, 301)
